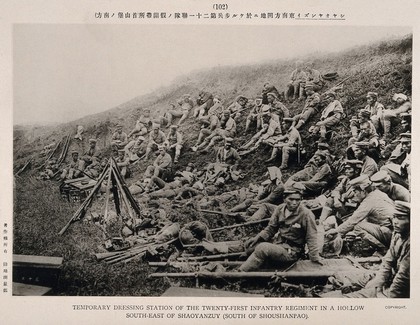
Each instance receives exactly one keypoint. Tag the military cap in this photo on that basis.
(379, 177)
(272, 94)
(362, 182)
(399, 96)
(402, 208)
(405, 137)
(141, 138)
(174, 127)
(320, 153)
(190, 164)
(331, 94)
(364, 113)
(73, 152)
(118, 126)
(353, 163)
(372, 94)
(288, 119)
(354, 119)
(323, 146)
(293, 188)
(309, 85)
(93, 140)
(361, 144)
(265, 110)
(241, 97)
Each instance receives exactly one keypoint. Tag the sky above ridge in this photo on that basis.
(64, 72)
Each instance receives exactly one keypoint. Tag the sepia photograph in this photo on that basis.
(211, 160)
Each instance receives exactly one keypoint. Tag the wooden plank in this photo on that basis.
(193, 292)
(21, 289)
(37, 261)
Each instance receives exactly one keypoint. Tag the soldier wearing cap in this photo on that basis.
(360, 152)
(312, 102)
(288, 143)
(363, 130)
(204, 102)
(185, 104)
(227, 129)
(271, 127)
(69, 171)
(292, 226)
(123, 162)
(254, 114)
(372, 219)
(136, 148)
(392, 116)
(175, 141)
(237, 107)
(139, 129)
(277, 106)
(119, 138)
(401, 173)
(227, 154)
(293, 89)
(90, 156)
(162, 166)
(316, 174)
(313, 76)
(330, 116)
(383, 182)
(376, 110)
(156, 138)
(268, 87)
(393, 278)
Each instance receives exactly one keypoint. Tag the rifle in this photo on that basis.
(240, 225)
(221, 213)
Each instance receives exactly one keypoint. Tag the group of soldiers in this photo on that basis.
(353, 196)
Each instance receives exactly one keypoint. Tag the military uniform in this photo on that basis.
(162, 166)
(155, 139)
(297, 77)
(330, 116)
(291, 231)
(136, 148)
(204, 102)
(310, 108)
(390, 117)
(175, 141)
(376, 111)
(119, 140)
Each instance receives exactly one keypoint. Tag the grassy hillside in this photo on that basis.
(385, 67)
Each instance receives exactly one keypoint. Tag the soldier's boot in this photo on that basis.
(300, 124)
(273, 155)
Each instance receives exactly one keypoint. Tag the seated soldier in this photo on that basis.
(312, 76)
(392, 116)
(376, 110)
(50, 169)
(96, 167)
(210, 122)
(360, 150)
(292, 226)
(156, 138)
(119, 138)
(312, 102)
(254, 115)
(401, 173)
(330, 116)
(288, 143)
(186, 104)
(162, 166)
(174, 141)
(372, 219)
(271, 128)
(363, 130)
(136, 149)
(227, 130)
(277, 106)
(225, 167)
(293, 89)
(70, 170)
(393, 278)
(268, 88)
(123, 161)
(237, 107)
(91, 155)
(204, 102)
(140, 129)
(383, 182)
